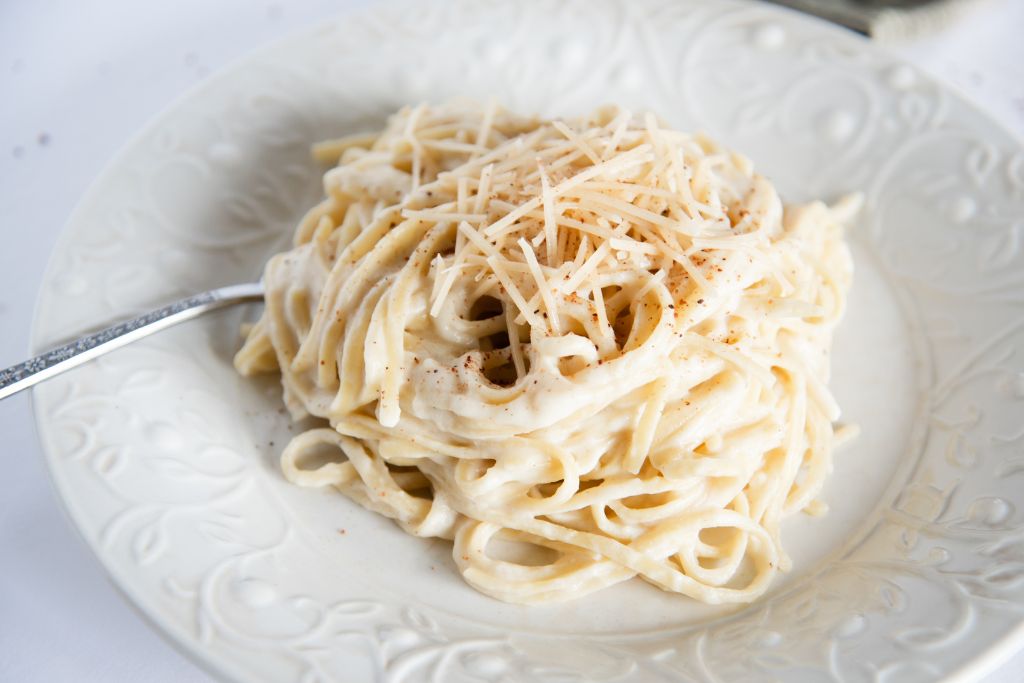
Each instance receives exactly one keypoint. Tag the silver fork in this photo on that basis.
(74, 353)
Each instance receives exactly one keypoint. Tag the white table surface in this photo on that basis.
(77, 79)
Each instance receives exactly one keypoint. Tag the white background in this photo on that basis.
(77, 79)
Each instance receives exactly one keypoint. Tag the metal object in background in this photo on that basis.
(887, 20)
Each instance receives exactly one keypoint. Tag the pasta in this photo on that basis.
(584, 350)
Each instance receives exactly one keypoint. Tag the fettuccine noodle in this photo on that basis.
(598, 337)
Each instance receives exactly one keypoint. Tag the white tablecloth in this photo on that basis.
(76, 80)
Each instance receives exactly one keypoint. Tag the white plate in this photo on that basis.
(166, 460)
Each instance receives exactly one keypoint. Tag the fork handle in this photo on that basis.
(72, 354)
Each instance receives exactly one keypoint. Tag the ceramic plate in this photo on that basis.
(167, 461)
